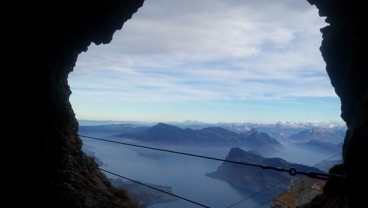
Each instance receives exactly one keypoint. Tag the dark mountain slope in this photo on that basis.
(246, 178)
(168, 134)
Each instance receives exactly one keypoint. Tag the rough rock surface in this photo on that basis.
(62, 30)
(344, 49)
(300, 192)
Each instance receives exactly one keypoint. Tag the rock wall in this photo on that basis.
(345, 51)
(61, 31)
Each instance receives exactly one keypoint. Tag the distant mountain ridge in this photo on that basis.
(321, 134)
(281, 131)
(326, 136)
(321, 139)
(169, 134)
(246, 178)
(110, 129)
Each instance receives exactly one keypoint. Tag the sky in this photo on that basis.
(211, 61)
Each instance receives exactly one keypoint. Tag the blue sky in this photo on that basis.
(211, 61)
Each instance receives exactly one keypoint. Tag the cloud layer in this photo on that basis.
(208, 50)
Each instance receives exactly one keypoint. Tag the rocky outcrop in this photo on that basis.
(301, 191)
(255, 179)
(344, 49)
(62, 30)
(145, 195)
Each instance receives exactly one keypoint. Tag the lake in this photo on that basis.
(186, 175)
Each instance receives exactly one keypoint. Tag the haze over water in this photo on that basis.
(186, 175)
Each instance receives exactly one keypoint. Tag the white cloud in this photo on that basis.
(208, 50)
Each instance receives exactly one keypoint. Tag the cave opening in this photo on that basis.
(62, 30)
(231, 67)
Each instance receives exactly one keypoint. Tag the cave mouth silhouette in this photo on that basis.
(67, 178)
(127, 28)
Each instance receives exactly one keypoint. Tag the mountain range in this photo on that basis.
(278, 130)
(108, 130)
(319, 136)
(319, 139)
(283, 130)
(168, 134)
